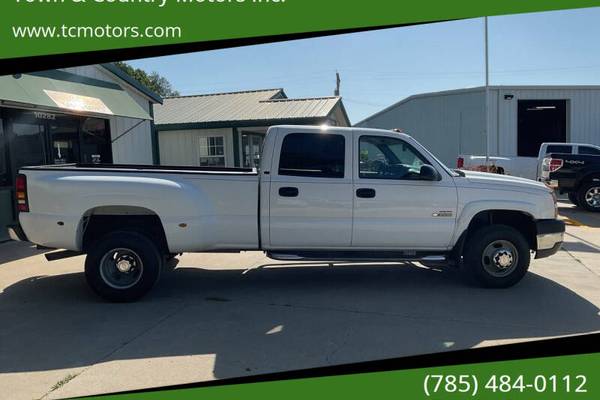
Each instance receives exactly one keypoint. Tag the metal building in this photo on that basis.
(520, 118)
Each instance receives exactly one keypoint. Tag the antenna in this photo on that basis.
(337, 84)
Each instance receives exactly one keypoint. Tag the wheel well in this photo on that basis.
(102, 220)
(518, 220)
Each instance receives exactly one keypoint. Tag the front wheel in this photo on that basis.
(496, 256)
(123, 266)
(589, 196)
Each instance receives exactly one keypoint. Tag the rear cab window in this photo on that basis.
(313, 155)
(557, 148)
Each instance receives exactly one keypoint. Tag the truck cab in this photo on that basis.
(354, 189)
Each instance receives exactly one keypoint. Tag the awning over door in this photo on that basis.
(62, 91)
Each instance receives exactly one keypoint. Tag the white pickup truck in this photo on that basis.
(321, 193)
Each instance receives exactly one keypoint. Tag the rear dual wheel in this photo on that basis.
(123, 266)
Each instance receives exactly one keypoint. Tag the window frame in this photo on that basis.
(420, 155)
(224, 156)
(344, 164)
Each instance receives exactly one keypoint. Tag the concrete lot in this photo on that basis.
(221, 316)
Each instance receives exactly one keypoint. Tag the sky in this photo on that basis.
(380, 68)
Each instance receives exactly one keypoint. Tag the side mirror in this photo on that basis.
(428, 173)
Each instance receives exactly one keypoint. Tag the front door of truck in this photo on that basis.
(393, 207)
(311, 190)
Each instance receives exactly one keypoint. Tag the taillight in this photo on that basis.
(460, 162)
(21, 193)
(555, 164)
(551, 165)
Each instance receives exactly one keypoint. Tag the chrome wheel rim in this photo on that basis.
(592, 197)
(500, 258)
(121, 268)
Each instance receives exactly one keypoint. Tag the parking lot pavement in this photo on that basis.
(582, 240)
(219, 316)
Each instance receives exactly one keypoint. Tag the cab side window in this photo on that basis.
(317, 155)
(591, 151)
(389, 158)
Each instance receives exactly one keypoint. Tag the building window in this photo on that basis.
(27, 146)
(315, 155)
(251, 150)
(95, 144)
(212, 151)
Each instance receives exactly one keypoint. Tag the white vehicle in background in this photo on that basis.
(524, 167)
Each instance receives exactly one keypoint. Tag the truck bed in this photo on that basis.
(201, 209)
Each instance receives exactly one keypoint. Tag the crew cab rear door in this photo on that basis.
(310, 195)
(394, 207)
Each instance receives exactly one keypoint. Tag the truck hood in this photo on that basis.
(496, 180)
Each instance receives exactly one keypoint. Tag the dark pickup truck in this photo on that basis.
(578, 175)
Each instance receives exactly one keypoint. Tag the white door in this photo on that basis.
(311, 191)
(393, 207)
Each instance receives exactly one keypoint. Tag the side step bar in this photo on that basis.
(353, 256)
(59, 255)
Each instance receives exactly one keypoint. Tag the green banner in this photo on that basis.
(44, 27)
(576, 376)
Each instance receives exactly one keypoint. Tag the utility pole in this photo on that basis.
(338, 81)
(487, 97)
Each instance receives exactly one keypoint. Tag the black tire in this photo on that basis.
(504, 243)
(583, 196)
(574, 198)
(136, 252)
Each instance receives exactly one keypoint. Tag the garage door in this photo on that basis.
(540, 121)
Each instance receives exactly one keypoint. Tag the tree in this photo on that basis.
(153, 81)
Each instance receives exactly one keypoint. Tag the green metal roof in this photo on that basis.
(63, 91)
(257, 106)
